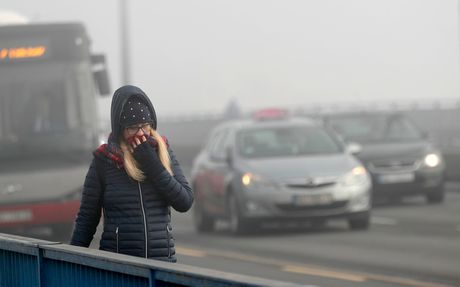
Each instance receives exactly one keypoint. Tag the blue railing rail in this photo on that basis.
(32, 262)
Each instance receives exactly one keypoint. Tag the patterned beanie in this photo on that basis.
(135, 111)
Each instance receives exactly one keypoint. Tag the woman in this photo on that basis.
(133, 179)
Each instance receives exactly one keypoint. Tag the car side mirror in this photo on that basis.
(354, 148)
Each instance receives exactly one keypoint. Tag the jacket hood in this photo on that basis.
(119, 99)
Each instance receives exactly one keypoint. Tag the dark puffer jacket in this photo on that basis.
(137, 219)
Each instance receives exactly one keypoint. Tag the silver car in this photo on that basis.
(278, 169)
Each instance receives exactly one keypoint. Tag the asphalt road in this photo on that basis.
(408, 244)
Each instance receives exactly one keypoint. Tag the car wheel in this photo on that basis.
(436, 196)
(359, 223)
(203, 222)
(238, 224)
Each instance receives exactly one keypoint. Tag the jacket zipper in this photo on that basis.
(116, 232)
(168, 234)
(145, 220)
(169, 231)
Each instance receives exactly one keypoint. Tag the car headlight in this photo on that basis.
(357, 176)
(432, 160)
(255, 181)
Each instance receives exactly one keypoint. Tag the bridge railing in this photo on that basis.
(32, 262)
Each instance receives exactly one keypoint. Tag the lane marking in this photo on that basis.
(309, 269)
(404, 281)
(383, 220)
(323, 273)
(190, 252)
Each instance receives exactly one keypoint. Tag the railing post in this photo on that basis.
(152, 281)
(40, 267)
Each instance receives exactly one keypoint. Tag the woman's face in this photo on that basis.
(136, 130)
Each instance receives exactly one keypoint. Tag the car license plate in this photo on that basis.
(396, 178)
(312, 199)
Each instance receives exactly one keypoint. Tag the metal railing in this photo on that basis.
(32, 262)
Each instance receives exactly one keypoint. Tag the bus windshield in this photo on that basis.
(41, 110)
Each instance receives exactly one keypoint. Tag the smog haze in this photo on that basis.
(196, 56)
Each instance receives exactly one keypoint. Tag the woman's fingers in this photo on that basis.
(137, 141)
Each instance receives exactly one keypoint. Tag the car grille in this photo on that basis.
(292, 208)
(398, 165)
(311, 182)
(310, 185)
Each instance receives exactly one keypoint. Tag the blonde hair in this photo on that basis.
(132, 166)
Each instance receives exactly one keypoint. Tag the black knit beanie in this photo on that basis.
(135, 111)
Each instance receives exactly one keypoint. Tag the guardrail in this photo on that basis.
(32, 262)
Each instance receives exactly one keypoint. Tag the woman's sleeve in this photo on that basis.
(175, 188)
(90, 209)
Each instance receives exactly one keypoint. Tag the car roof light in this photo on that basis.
(270, 114)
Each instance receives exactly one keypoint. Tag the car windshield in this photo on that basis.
(285, 141)
(376, 128)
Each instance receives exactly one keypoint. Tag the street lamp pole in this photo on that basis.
(125, 43)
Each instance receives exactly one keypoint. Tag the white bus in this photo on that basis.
(49, 84)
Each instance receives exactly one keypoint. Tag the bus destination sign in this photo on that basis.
(18, 53)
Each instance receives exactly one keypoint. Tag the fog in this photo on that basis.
(316, 217)
(196, 56)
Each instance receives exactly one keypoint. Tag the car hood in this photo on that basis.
(301, 167)
(385, 151)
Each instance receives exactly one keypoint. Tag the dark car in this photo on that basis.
(400, 157)
(280, 169)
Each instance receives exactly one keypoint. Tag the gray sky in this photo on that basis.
(194, 56)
